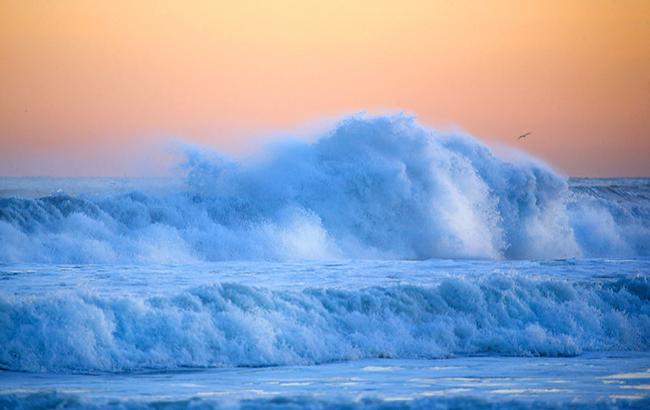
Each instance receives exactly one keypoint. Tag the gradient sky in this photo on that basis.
(89, 87)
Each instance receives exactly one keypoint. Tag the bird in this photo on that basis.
(524, 135)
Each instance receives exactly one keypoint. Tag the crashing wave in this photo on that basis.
(374, 187)
(237, 325)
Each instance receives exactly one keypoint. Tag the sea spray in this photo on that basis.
(373, 187)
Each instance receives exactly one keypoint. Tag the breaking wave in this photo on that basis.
(374, 187)
(236, 325)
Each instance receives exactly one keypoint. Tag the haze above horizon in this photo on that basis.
(97, 88)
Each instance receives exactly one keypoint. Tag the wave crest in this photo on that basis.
(236, 325)
(379, 187)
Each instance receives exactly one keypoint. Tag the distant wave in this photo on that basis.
(236, 325)
(374, 187)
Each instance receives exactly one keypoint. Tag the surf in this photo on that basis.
(231, 324)
(383, 187)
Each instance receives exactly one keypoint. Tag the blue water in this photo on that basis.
(384, 265)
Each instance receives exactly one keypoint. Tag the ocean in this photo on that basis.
(383, 266)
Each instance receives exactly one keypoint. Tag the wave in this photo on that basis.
(73, 401)
(236, 325)
(374, 187)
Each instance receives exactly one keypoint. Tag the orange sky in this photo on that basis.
(82, 81)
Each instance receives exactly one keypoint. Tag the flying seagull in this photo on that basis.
(524, 135)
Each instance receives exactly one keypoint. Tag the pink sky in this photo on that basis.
(95, 88)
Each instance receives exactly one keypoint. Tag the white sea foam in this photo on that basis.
(374, 187)
(237, 325)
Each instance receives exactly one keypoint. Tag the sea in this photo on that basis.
(384, 265)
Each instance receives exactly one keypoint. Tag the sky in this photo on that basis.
(98, 88)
